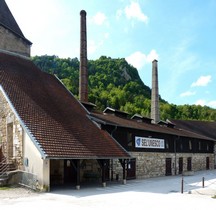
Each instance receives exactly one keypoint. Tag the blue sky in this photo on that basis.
(180, 34)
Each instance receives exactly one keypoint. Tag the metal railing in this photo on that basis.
(4, 167)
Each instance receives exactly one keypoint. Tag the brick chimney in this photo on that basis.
(155, 109)
(83, 74)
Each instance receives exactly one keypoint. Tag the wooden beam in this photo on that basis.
(78, 174)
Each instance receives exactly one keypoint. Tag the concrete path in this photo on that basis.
(155, 193)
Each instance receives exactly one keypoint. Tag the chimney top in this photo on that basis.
(83, 12)
(154, 60)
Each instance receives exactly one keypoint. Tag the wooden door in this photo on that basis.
(131, 169)
(107, 170)
(180, 165)
(168, 166)
(189, 164)
(207, 163)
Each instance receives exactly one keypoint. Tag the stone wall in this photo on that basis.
(15, 147)
(12, 43)
(149, 164)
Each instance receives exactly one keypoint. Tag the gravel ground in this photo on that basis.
(16, 192)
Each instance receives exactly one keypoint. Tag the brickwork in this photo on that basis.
(7, 117)
(12, 43)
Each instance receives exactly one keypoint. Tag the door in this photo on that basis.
(69, 172)
(107, 170)
(180, 165)
(131, 169)
(189, 164)
(168, 166)
(207, 163)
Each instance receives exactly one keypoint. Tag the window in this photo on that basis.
(10, 145)
(167, 145)
(199, 145)
(181, 146)
(129, 139)
(190, 145)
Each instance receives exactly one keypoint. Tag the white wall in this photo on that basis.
(33, 163)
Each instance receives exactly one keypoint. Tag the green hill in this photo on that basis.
(115, 83)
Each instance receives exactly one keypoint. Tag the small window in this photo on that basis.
(199, 145)
(190, 145)
(68, 163)
(167, 145)
(129, 139)
(207, 147)
(181, 146)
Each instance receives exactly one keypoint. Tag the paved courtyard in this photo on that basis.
(154, 193)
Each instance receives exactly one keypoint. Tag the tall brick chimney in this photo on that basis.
(155, 109)
(83, 74)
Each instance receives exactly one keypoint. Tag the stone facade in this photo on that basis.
(151, 164)
(11, 134)
(12, 43)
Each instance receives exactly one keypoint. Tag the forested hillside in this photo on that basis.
(115, 83)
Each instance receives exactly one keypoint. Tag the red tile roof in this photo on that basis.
(205, 128)
(56, 120)
(111, 119)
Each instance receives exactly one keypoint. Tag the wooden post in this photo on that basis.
(103, 173)
(124, 171)
(182, 185)
(203, 182)
(78, 174)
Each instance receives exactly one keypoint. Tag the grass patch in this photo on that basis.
(4, 188)
(214, 197)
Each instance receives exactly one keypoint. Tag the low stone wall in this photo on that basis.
(23, 178)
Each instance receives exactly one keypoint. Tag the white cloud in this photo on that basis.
(187, 93)
(134, 11)
(139, 59)
(202, 81)
(212, 104)
(119, 14)
(152, 56)
(201, 102)
(99, 18)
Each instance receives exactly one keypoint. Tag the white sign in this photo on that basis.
(144, 142)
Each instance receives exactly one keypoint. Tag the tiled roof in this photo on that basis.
(8, 21)
(56, 120)
(111, 119)
(205, 128)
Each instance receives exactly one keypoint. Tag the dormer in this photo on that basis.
(115, 112)
(166, 123)
(140, 118)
